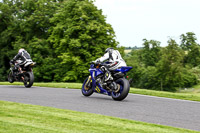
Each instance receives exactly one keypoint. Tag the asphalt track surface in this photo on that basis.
(164, 111)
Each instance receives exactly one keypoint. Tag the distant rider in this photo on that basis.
(115, 61)
(22, 59)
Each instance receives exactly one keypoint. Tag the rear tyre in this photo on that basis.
(123, 91)
(28, 79)
(10, 77)
(87, 91)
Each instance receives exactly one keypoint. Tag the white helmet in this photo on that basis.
(108, 50)
(21, 50)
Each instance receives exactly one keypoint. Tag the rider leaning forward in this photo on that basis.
(115, 61)
(22, 59)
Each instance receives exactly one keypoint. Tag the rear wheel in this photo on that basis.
(28, 79)
(87, 87)
(123, 89)
(10, 77)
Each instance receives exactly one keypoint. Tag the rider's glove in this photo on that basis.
(97, 61)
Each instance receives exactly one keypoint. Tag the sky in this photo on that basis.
(160, 20)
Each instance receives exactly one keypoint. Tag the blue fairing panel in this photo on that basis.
(124, 69)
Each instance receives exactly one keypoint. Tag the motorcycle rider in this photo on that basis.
(115, 61)
(23, 59)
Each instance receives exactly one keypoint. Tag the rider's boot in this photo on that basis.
(108, 76)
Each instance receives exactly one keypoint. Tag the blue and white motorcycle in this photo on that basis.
(118, 87)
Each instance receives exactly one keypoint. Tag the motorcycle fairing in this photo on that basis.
(96, 86)
(124, 69)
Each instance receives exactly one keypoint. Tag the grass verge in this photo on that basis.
(24, 118)
(178, 95)
(49, 84)
(175, 95)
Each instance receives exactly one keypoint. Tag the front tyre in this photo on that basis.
(87, 89)
(28, 79)
(123, 91)
(10, 77)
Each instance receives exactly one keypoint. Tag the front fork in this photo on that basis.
(88, 83)
(11, 71)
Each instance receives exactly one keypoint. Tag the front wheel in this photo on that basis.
(11, 77)
(87, 87)
(123, 91)
(28, 79)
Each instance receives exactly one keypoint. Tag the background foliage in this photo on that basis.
(64, 36)
(166, 68)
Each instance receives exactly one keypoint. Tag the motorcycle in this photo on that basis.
(118, 87)
(22, 74)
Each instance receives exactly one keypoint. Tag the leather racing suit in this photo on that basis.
(115, 61)
(114, 58)
(22, 59)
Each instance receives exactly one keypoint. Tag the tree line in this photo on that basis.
(62, 36)
(167, 68)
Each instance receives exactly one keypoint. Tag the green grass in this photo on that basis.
(192, 95)
(24, 118)
(176, 95)
(49, 84)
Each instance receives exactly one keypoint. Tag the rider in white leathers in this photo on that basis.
(114, 61)
(22, 59)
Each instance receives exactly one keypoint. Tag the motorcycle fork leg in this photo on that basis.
(88, 81)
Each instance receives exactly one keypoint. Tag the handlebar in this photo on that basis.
(95, 63)
(11, 63)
